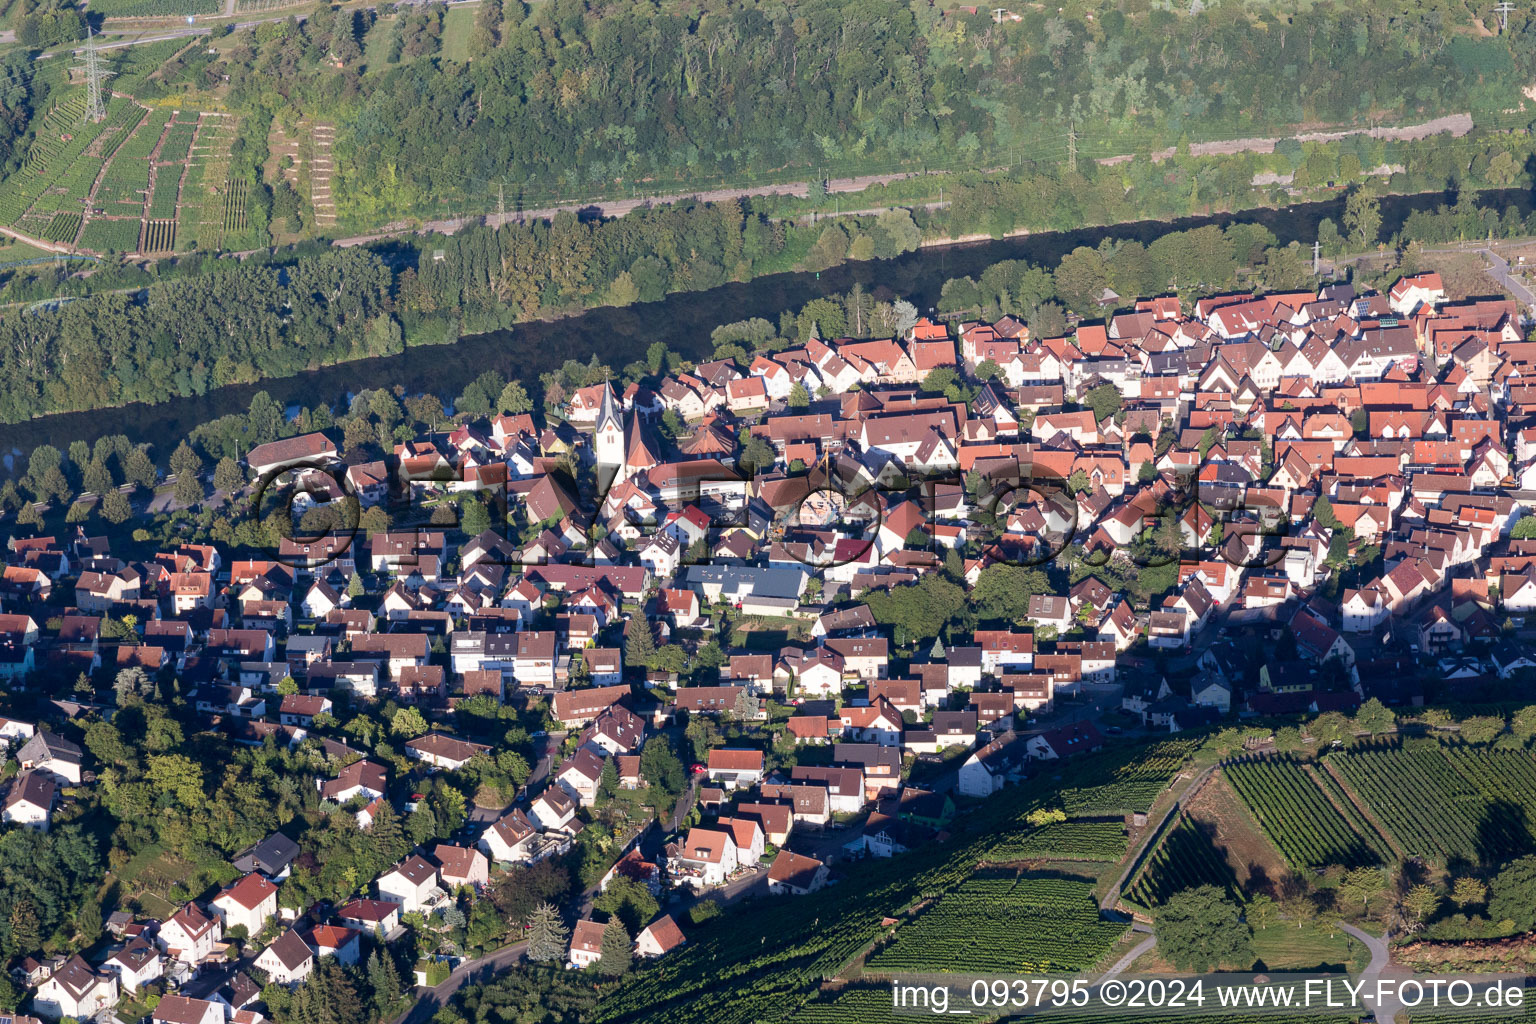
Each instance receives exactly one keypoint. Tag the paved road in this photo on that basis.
(1499, 271)
(469, 972)
(1381, 959)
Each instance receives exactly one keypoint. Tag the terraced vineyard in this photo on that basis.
(1103, 841)
(63, 162)
(1442, 802)
(1031, 924)
(127, 177)
(1307, 830)
(1186, 857)
(63, 228)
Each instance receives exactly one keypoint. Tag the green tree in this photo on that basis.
(546, 937)
(1201, 929)
(115, 507)
(1481, 728)
(660, 767)
(514, 399)
(639, 642)
(1512, 903)
(188, 468)
(1105, 400)
(1468, 892)
(1362, 218)
(799, 397)
(228, 476)
(1363, 885)
(1375, 718)
(1421, 902)
(408, 722)
(617, 956)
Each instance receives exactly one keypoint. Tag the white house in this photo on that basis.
(659, 937)
(249, 903)
(412, 883)
(75, 990)
(176, 1009)
(341, 943)
(460, 866)
(796, 875)
(376, 917)
(987, 770)
(706, 857)
(509, 838)
(553, 809)
(30, 801)
(586, 944)
(189, 934)
(136, 964)
(288, 960)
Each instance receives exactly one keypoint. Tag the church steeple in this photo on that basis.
(608, 410)
(608, 434)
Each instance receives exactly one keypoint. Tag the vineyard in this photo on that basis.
(236, 192)
(1444, 802)
(63, 228)
(58, 173)
(1185, 858)
(127, 177)
(102, 235)
(1064, 840)
(1134, 784)
(159, 236)
(153, 8)
(1025, 924)
(866, 1005)
(1296, 816)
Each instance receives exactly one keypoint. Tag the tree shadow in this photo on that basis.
(1503, 832)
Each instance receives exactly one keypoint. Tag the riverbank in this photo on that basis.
(682, 320)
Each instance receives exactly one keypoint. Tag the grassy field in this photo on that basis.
(458, 30)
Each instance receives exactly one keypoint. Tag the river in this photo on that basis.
(683, 320)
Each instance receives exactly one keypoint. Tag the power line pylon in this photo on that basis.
(1504, 10)
(95, 76)
(1072, 147)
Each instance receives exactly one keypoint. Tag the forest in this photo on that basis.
(563, 100)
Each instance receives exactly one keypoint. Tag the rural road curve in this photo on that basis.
(1381, 959)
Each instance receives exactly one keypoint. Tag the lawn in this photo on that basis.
(458, 30)
(1283, 946)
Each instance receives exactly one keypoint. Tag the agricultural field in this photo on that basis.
(1186, 857)
(1445, 803)
(1103, 841)
(63, 228)
(103, 235)
(154, 8)
(63, 161)
(1133, 784)
(121, 190)
(151, 180)
(159, 236)
(1032, 924)
(1296, 815)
